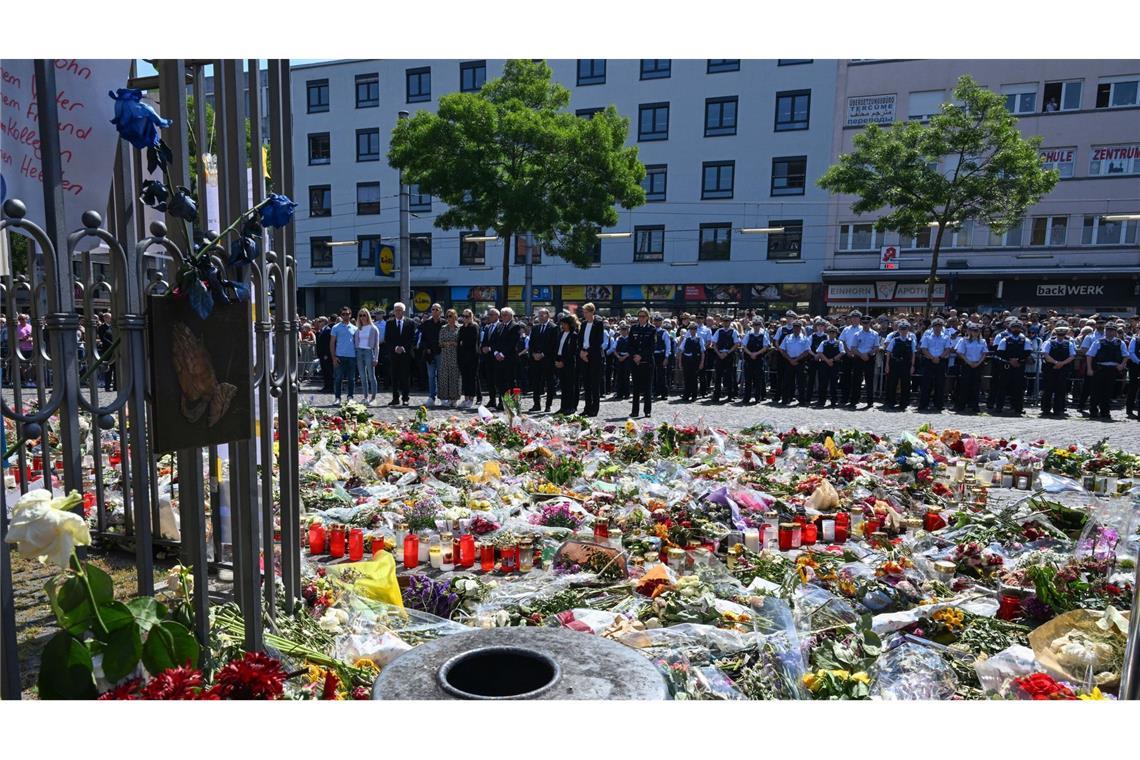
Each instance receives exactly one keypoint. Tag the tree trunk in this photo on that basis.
(506, 268)
(934, 268)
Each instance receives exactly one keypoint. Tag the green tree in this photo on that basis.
(969, 162)
(510, 157)
(192, 142)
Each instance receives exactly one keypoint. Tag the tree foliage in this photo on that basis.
(512, 159)
(970, 162)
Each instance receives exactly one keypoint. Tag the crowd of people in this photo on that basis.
(942, 362)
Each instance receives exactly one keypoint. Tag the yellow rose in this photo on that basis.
(861, 677)
(842, 675)
(45, 528)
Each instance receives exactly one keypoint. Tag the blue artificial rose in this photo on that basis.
(136, 121)
(183, 205)
(278, 211)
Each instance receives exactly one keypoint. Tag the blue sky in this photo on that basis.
(145, 69)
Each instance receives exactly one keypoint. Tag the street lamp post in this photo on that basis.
(405, 240)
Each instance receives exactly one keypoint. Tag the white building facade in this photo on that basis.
(729, 145)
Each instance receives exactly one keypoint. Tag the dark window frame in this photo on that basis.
(362, 242)
(328, 140)
(415, 199)
(663, 170)
(588, 113)
(418, 73)
(652, 136)
(327, 208)
(415, 249)
(316, 85)
(472, 66)
(359, 185)
(793, 229)
(802, 189)
(657, 71)
(535, 253)
(722, 65)
(648, 229)
(314, 245)
(793, 61)
(793, 125)
(727, 243)
(722, 130)
(480, 248)
(368, 157)
(717, 193)
(367, 80)
(593, 77)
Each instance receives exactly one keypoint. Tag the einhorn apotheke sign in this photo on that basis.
(870, 109)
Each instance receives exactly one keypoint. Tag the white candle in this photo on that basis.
(752, 539)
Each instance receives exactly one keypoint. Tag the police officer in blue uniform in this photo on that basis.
(862, 350)
(622, 364)
(1132, 397)
(971, 351)
(1013, 351)
(1106, 363)
(902, 352)
(997, 369)
(662, 351)
(935, 347)
(796, 350)
(1058, 354)
(753, 347)
(692, 353)
(829, 358)
(642, 338)
(818, 336)
(725, 343)
(847, 363)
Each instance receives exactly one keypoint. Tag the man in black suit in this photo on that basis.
(486, 360)
(590, 359)
(543, 345)
(400, 339)
(505, 354)
(324, 353)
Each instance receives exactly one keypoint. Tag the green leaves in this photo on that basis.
(66, 670)
(121, 652)
(169, 645)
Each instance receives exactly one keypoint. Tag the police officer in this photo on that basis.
(1058, 354)
(725, 343)
(1013, 351)
(796, 350)
(997, 369)
(902, 352)
(705, 332)
(642, 338)
(1097, 323)
(818, 336)
(1106, 362)
(780, 364)
(622, 364)
(971, 351)
(692, 353)
(1132, 399)
(662, 351)
(862, 349)
(829, 358)
(935, 347)
(847, 364)
(754, 346)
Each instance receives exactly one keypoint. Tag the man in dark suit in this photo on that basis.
(486, 360)
(505, 354)
(590, 359)
(543, 345)
(400, 340)
(324, 353)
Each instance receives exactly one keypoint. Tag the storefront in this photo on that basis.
(574, 296)
(881, 295)
(1077, 295)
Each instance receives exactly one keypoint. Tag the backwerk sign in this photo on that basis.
(1076, 292)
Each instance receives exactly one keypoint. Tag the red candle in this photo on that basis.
(785, 535)
(355, 545)
(411, 550)
(933, 520)
(316, 539)
(601, 529)
(487, 557)
(1009, 606)
(808, 534)
(467, 551)
(510, 555)
(336, 542)
(842, 527)
(871, 526)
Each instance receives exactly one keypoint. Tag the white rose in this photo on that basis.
(333, 620)
(44, 528)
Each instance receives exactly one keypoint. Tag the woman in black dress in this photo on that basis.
(565, 363)
(468, 355)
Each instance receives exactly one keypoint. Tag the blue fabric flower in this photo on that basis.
(136, 121)
(278, 211)
(183, 205)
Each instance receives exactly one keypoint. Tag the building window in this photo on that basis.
(318, 95)
(717, 179)
(320, 253)
(591, 71)
(419, 84)
(368, 144)
(319, 149)
(588, 113)
(656, 68)
(367, 198)
(962, 235)
(367, 90)
(656, 178)
(472, 253)
(721, 65)
(857, 237)
(367, 250)
(524, 244)
(1061, 159)
(789, 175)
(1108, 160)
(793, 61)
(472, 76)
(925, 104)
(649, 243)
(793, 110)
(1118, 94)
(716, 242)
(596, 253)
(653, 122)
(1049, 230)
(1020, 98)
(419, 245)
(1099, 231)
(320, 200)
(786, 244)
(720, 116)
(919, 241)
(1062, 96)
(1010, 238)
(418, 201)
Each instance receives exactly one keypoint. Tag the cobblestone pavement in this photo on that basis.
(1123, 432)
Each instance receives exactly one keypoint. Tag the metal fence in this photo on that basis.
(69, 404)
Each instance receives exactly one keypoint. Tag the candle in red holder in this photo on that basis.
(467, 551)
(316, 539)
(1009, 604)
(411, 550)
(808, 534)
(510, 555)
(933, 520)
(842, 527)
(871, 526)
(785, 535)
(336, 542)
(602, 530)
(378, 546)
(456, 549)
(355, 545)
(486, 557)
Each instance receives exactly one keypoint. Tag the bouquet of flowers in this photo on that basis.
(557, 515)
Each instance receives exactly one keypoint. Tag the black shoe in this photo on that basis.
(648, 413)
(394, 402)
(537, 408)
